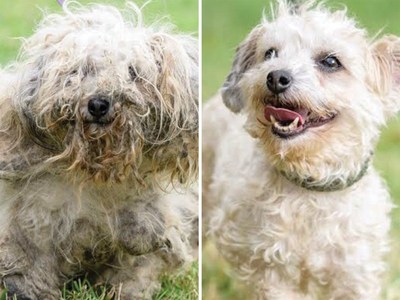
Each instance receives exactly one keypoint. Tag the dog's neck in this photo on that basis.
(333, 185)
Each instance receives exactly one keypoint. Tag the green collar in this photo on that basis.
(334, 185)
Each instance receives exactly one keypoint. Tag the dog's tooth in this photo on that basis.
(273, 120)
(281, 128)
(293, 125)
(295, 122)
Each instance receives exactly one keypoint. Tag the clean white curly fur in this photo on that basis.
(285, 241)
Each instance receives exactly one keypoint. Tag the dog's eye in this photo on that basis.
(132, 73)
(271, 53)
(330, 63)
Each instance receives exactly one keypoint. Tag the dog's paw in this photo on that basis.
(21, 287)
(140, 290)
(177, 251)
(141, 232)
(14, 288)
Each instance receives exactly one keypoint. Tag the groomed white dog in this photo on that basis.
(295, 204)
(98, 154)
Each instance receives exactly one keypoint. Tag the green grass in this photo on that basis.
(225, 24)
(18, 19)
(181, 286)
(82, 289)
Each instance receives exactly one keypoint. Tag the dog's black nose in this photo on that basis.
(98, 107)
(278, 81)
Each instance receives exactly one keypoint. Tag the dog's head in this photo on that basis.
(106, 98)
(315, 89)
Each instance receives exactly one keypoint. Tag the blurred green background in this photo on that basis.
(18, 19)
(225, 25)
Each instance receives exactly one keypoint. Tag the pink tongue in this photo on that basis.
(282, 114)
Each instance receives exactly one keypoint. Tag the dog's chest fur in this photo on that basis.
(267, 221)
(86, 227)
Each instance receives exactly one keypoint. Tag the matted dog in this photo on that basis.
(98, 154)
(296, 206)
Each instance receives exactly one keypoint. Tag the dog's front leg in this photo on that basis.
(167, 224)
(135, 277)
(145, 231)
(26, 272)
(140, 230)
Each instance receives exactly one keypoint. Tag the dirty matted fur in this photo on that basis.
(297, 209)
(98, 154)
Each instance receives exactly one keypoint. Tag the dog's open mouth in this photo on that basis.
(291, 121)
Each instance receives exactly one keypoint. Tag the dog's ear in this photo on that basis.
(177, 60)
(31, 79)
(10, 126)
(245, 58)
(384, 72)
(12, 163)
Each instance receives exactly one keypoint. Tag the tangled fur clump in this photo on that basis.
(301, 213)
(148, 75)
(98, 154)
